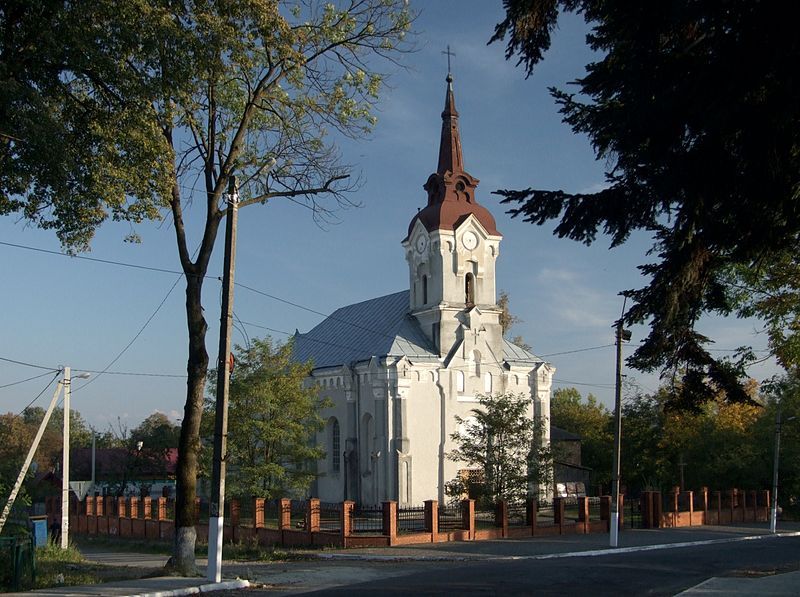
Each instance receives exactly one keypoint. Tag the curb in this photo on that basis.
(226, 585)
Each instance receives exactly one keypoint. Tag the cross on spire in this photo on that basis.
(449, 54)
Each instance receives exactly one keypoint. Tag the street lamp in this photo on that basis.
(773, 519)
(67, 383)
(622, 335)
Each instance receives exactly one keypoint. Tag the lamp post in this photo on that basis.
(67, 383)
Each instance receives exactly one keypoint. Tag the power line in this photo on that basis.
(132, 373)
(16, 383)
(580, 383)
(555, 354)
(39, 395)
(30, 364)
(135, 337)
(105, 261)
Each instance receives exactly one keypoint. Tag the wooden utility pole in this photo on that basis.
(217, 504)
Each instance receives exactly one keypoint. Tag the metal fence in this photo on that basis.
(298, 515)
(518, 514)
(451, 518)
(330, 517)
(410, 519)
(17, 563)
(368, 519)
(485, 519)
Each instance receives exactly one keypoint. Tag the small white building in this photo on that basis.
(398, 368)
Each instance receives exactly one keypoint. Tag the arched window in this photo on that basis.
(459, 381)
(424, 290)
(487, 383)
(469, 289)
(335, 445)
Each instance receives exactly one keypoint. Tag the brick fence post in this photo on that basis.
(161, 505)
(347, 520)
(621, 510)
(134, 507)
(236, 512)
(704, 491)
(558, 513)
(531, 507)
(754, 504)
(583, 513)
(284, 514)
(605, 510)
(733, 496)
(389, 528)
(765, 503)
(501, 516)
(432, 519)
(88, 503)
(147, 506)
(99, 506)
(648, 515)
(468, 517)
(258, 513)
(312, 515)
(122, 507)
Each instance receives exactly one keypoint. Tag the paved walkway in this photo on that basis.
(338, 567)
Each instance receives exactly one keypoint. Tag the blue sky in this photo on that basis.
(60, 311)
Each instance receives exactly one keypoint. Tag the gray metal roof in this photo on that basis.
(515, 355)
(378, 327)
(375, 328)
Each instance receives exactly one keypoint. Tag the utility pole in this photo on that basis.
(65, 462)
(217, 504)
(773, 517)
(622, 335)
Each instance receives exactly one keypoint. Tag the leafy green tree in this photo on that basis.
(503, 440)
(695, 107)
(157, 432)
(590, 420)
(272, 418)
(158, 103)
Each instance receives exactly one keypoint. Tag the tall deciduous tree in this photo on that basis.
(503, 441)
(273, 417)
(592, 421)
(125, 109)
(695, 107)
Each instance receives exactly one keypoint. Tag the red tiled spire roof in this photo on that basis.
(451, 190)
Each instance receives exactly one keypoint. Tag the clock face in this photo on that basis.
(469, 240)
(422, 242)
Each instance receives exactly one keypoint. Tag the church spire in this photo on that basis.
(450, 145)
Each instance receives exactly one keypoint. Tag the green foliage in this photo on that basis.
(502, 440)
(157, 433)
(272, 418)
(593, 422)
(695, 108)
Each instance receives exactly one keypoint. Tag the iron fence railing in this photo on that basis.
(368, 519)
(330, 517)
(410, 519)
(451, 518)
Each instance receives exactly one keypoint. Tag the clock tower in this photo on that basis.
(451, 248)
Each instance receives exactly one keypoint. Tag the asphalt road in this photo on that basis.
(661, 572)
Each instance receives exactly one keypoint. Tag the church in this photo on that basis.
(399, 368)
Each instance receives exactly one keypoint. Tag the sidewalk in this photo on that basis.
(164, 586)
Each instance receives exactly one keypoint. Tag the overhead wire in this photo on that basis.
(16, 383)
(39, 395)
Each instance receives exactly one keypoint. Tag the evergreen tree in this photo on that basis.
(695, 107)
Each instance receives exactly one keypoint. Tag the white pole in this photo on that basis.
(65, 465)
(28, 459)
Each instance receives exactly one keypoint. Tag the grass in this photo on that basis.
(56, 567)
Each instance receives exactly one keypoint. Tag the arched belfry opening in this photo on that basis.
(469, 289)
(424, 290)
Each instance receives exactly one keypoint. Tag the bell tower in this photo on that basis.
(451, 249)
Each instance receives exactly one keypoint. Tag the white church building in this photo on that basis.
(399, 368)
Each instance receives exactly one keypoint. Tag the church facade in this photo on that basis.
(399, 368)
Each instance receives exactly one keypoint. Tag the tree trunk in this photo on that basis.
(183, 560)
